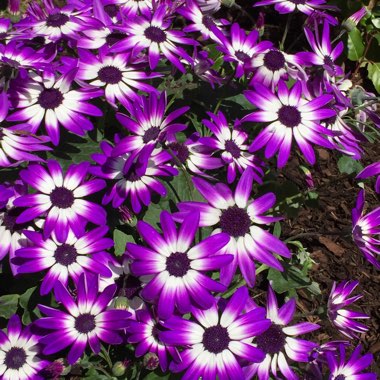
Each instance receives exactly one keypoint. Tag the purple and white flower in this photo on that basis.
(178, 266)
(369, 171)
(287, 6)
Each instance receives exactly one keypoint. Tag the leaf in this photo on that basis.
(8, 305)
(277, 229)
(121, 239)
(374, 74)
(348, 165)
(243, 102)
(291, 278)
(355, 45)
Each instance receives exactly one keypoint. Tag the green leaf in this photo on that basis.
(374, 74)
(355, 45)
(291, 278)
(376, 22)
(277, 229)
(121, 239)
(8, 305)
(243, 102)
(348, 165)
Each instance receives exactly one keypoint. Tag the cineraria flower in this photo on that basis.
(51, 99)
(354, 19)
(369, 171)
(272, 65)
(323, 55)
(342, 319)
(238, 217)
(148, 123)
(287, 6)
(218, 340)
(144, 333)
(231, 141)
(290, 116)
(340, 369)
(60, 198)
(18, 353)
(365, 230)
(70, 258)
(86, 321)
(132, 8)
(202, 67)
(209, 6)
(176, 265)
(116, 73)
(240, 47)
(279, 341)
(134, 175)
(154, 35)
(17, 142)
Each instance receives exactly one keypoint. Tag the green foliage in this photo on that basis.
(374, 74)
(121, 239)
(355, 45)
(8, 305)
(347, 165)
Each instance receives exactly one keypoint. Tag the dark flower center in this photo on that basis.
(177, 264)
(340, 377)
(65, 254)
(232, 148)
(114, 37)
(272, 341)
(9, 220)
(241, 56)
(57, 19)
(131, 286)
(155, 34)
(298, 1)
(85, 323)
(50, 98)
(289, 116)
(6, 71)
(274, 60)
(62, 197)
(235, 221)
(208, 21)
(15, 358)
(131, 175)
(110, 74)
(3, 35)
(151, 134)
(112, 10)
(181, 150)
(157, 328)
(216, 339)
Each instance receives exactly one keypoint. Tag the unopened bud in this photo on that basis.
(119, 368)
(121, 303)
(228, 3)
(354, 19)
(127, 216)
(54, 370)
(151, 361)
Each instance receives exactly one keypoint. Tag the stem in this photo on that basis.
(241, 9)
(372, 4)
(218, 105)
(286, 31)
(344, 232)
(363, 57)
(106, 357)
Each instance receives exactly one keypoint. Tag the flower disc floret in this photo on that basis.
(274, 60)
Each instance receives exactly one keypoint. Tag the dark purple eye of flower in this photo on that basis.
(9, 220)
(65, 254)
(340, 377)
(298, 1)
(62, 197)
(208, 22)
(181, 150)
(3, 35)
(130, 286)
(110, 74)
(151, 134)
(289, 116)
(272, 341)
(155, 34)
(177, 264)
(57, 19)
(132, 176)
(15, 358)
(216, 339)
(329, 62)
(242, 56)
(85, 323)
(112, 38)
(6, 71)
(50, 98)
(235, 221)
(274, 60)
(232, 148)
(112, 10)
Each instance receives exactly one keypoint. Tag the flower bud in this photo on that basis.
(121, 303)
(151, 361)
(119, 368)
(127, 216)
(354, 19)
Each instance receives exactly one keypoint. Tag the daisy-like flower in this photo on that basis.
(144, 333)
(218, 339)
(86, 321)
(231, 142)
(240, 47)
(272, 65)
(323, 53)
(133, 175)
(17, 142)
(239, 217)
(116, 73)
(279, 341)
(366, 229)
(177, 265)
(290, 116)
(148, 123)
(351, 369)
(132, 8)
(70, 258)
(369, 171)
(59, 197)
(154, 34)
(50, 99)
(287, 6)
(345, 320)
(18, 353)
(354, 19)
